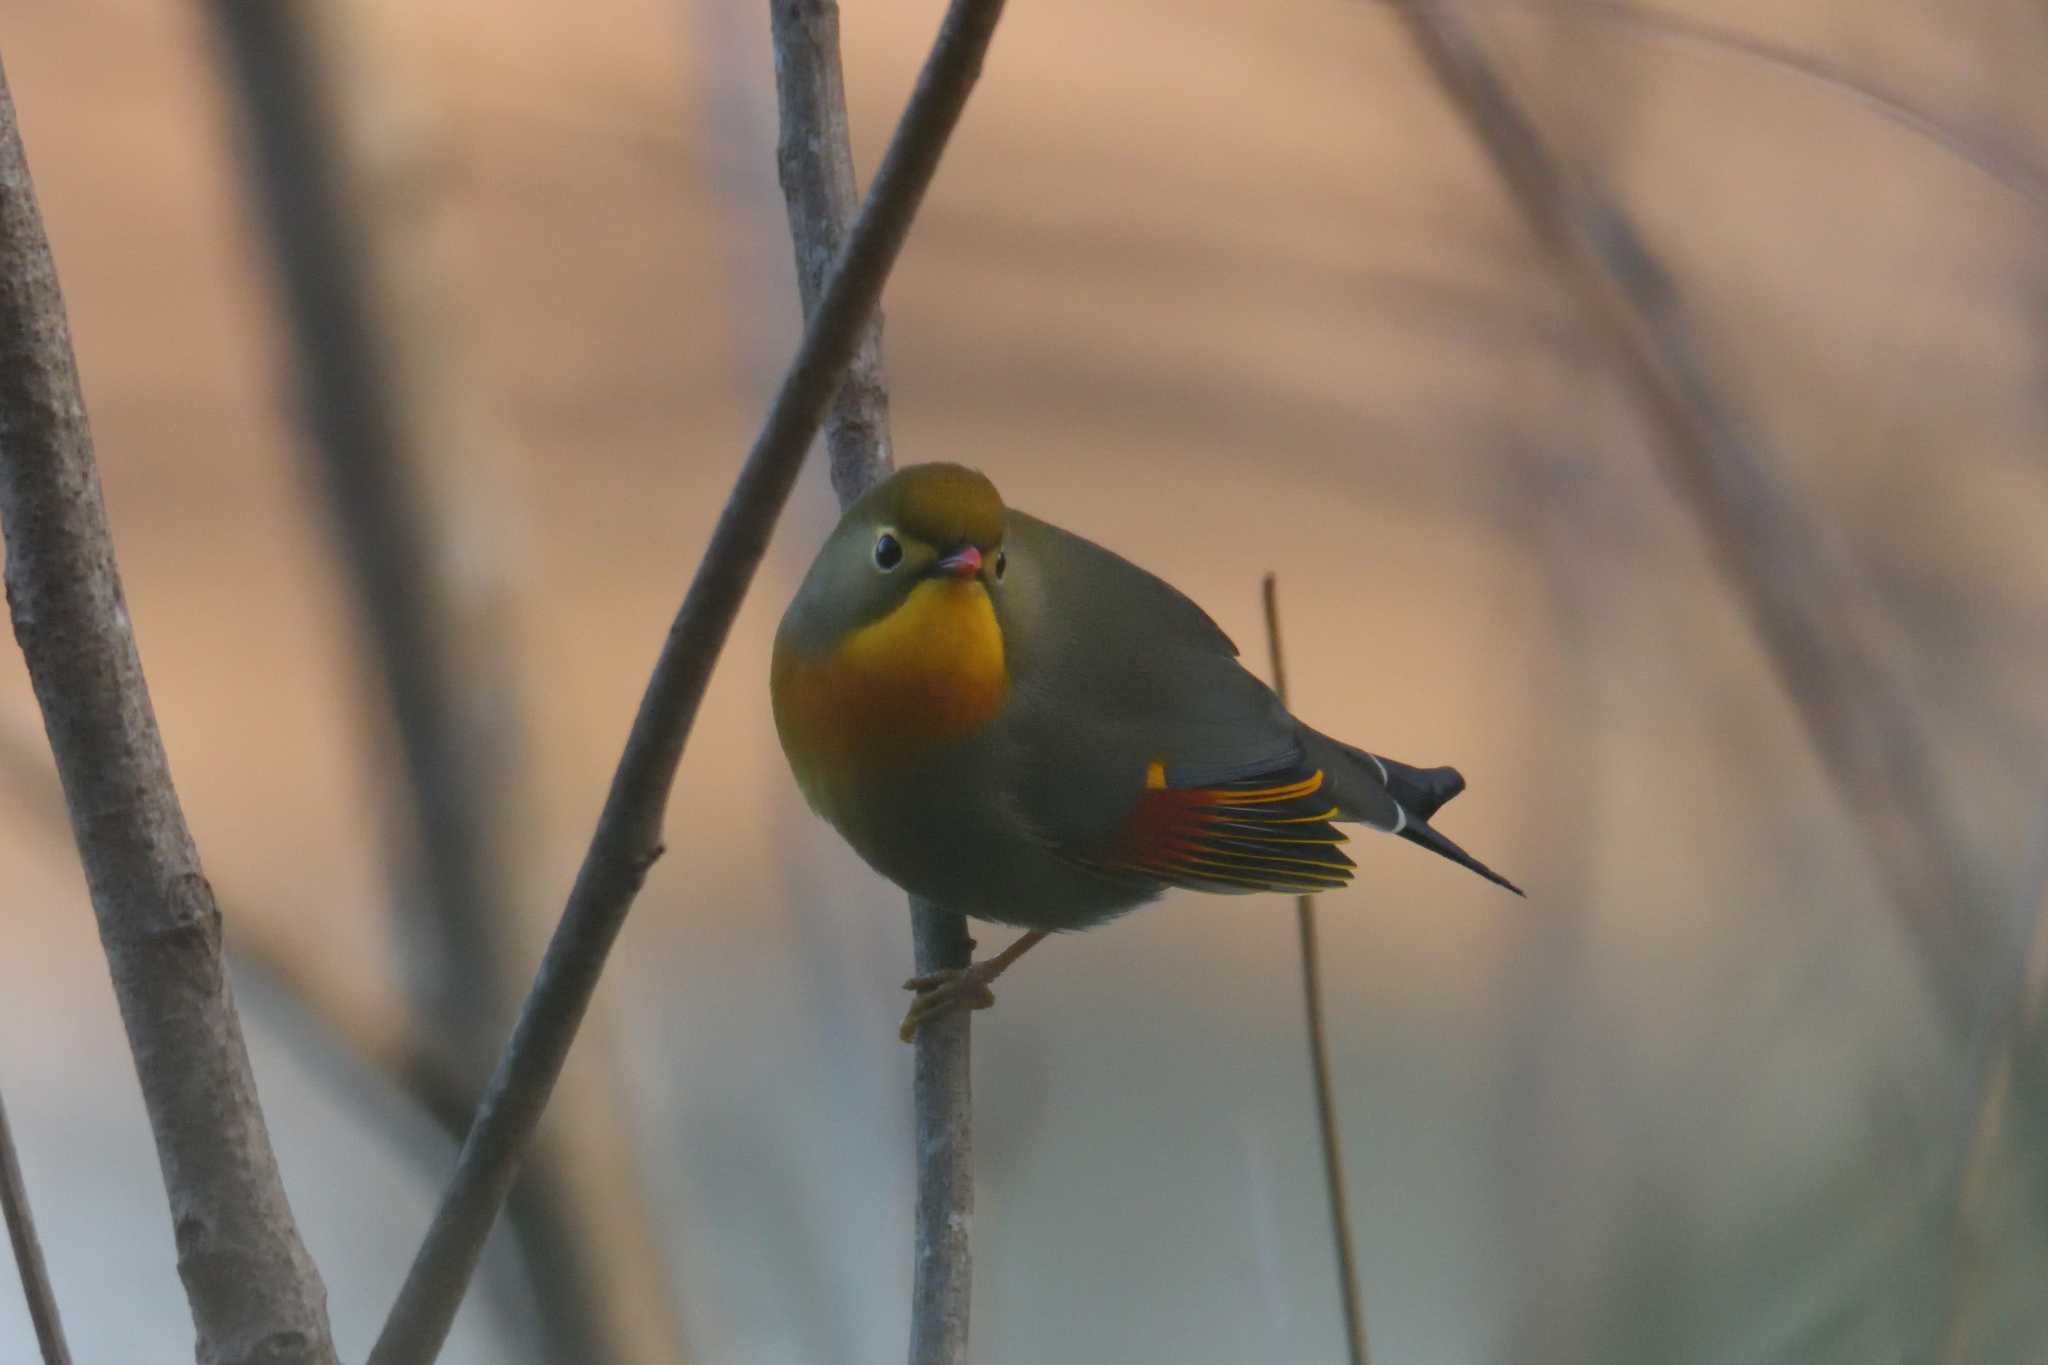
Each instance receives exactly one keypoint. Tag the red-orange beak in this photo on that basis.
(964, 562)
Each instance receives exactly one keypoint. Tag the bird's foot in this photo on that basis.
(942, 992)
(961, 987)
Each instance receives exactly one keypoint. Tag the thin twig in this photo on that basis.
(28, 1252)
(814, 154)
(376, 392)
(253, 1290)
(628, 836)
(1788, 571)
(1319, 1051)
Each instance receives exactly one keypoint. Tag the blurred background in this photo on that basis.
(1231, 288)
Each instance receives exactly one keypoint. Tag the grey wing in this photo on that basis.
(1114, 669)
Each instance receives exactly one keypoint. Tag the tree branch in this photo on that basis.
(628, 836)
(1788, 571)
(28, 1252)
(1319, 1051)
(254, 1293)
(814, 155)
(814, 160)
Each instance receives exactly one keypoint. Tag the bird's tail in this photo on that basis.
(1398, 798)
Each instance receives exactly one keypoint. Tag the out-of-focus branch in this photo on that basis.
(2007, 165)
(814, 154)
(628, 836)
(28, 1252)
(1785, 565)
(1319, 1050)
(375, 1040)
(254, 1292)
(369, 444)
(2014, 1074)
(378, 1042)
(349, 224)
(370, 1050)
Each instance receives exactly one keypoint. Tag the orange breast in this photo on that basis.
(929, 674)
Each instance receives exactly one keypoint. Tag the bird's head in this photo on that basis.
(892, 649)
(931, 527)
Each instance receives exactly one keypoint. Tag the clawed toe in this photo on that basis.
(940, 992)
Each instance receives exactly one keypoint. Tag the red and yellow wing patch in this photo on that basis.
(1268, 833)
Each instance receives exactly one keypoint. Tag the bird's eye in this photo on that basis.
(888, 552)
(1002, 565)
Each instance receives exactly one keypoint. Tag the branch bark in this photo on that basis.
(28, 1252)
(814, 160)
(1785, 565)
(814, 155)
(254, 1293)
(628, 836)
(380, 395)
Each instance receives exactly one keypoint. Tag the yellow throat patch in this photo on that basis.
(929, 674)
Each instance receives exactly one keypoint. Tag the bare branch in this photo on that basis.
(942, 1096)
(254, 1292)
(28, 1252)
(1319, 1052)
(1788, 571)
(628, 836)
(348, 228)
(814, 154)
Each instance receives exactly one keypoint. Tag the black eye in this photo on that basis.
(888, 552)
(1002, 564)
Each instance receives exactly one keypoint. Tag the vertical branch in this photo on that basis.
(942, 1278)
(814, 160)
(380, 399)
(814, 156)
(1784, 564)
(28, 1252)
(1319, 1051)
(627, 839)
(2013, 1074)
(254, 1293)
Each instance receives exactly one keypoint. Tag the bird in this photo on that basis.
(1012, 722)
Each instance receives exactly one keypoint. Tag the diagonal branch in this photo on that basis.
(28, 1252)
(254, 1292)
(628, 836)
(2008, 166)
(1785, 565)
(814, 154)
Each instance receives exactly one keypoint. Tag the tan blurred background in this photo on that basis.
(1228, 287)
